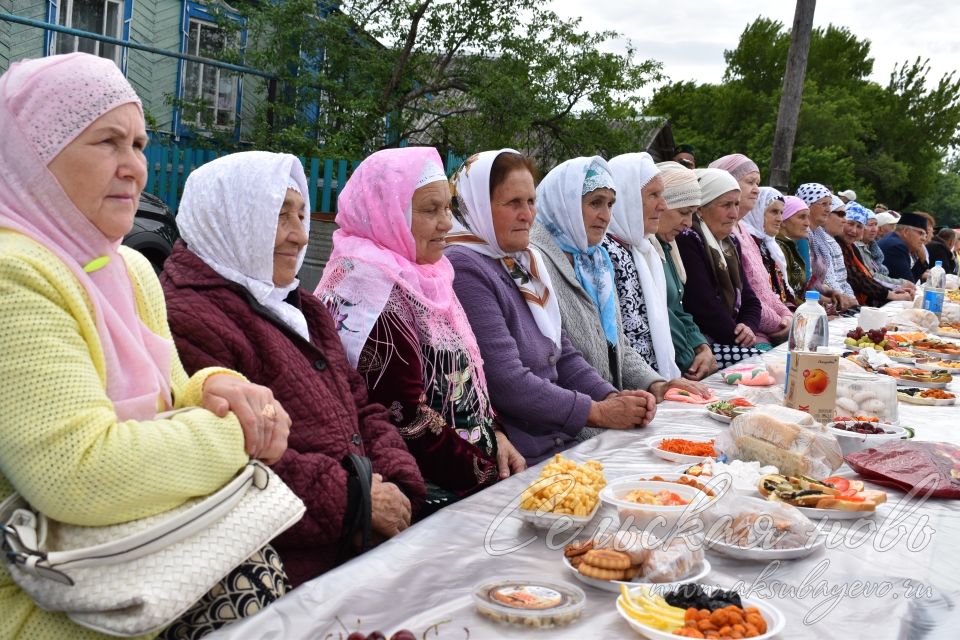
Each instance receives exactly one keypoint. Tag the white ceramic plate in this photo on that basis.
(719, 417)
(835, 514)
(923, 385)
(697, 573)
(904, 360)
(653, 443)
(765, 555)
(953, 367)
(938, 354)
(930, 402)
(774, 618)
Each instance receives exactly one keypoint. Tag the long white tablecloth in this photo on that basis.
(425, 575)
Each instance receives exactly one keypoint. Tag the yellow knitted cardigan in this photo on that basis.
(61, 445)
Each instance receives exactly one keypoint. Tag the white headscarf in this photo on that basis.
(632, 172)
(753, 222)
(228, 217)
(471, 193)
(713, 184)
(680, 189)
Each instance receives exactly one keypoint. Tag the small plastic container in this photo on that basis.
(851, 442)
(546, 519)
(868, 396)
(776, 363)
(529, 602)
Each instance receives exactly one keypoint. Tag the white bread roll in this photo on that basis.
(791, 447)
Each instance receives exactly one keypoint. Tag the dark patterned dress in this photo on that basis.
(633, 308)
(433, 403)
(777, 281)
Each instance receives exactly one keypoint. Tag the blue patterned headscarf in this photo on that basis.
(857, 213)
(560, 211)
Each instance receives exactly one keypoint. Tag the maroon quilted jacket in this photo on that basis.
(216, 322)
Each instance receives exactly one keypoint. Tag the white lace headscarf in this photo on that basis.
(755, 220)
(680, 189)
(631, 173)
(228, 216)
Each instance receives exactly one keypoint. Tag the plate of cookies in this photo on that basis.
(608, 566)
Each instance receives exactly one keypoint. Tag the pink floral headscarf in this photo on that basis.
(373, 266)
(44, 105)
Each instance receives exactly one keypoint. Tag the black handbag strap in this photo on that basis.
(360, 470)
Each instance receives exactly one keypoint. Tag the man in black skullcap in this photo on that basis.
(684, 155)
(900, 247)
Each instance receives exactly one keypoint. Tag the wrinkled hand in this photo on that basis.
(899, 295)
(509, 460)
(659, 389)
(646, 396)
(847, 302)
(390, 509)
(744, 336)
(783, 330)
(623, 410)
(265, 424)
(704, 363)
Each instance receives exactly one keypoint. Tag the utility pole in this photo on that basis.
(792, 94)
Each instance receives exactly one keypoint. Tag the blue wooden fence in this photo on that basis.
(169, 164)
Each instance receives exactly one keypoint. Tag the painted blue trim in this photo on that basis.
(198, 11)
(53, 10)
(178, 89)
(53, 7)
(238, 116)
(125, 33)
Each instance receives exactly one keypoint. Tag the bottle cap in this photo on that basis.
(938, 263)
(812, 295)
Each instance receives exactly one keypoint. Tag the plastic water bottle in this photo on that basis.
(934, 289)
(808, 331)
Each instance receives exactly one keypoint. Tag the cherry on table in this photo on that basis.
(403, 634)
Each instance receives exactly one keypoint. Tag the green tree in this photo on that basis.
(886, 142)
(461, 74)
(944, 197)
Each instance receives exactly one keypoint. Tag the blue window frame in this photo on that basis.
(207, 94)
(106, 17)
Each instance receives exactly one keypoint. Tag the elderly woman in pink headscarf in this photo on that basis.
(775, 317)
(391, 290)
(86, 360)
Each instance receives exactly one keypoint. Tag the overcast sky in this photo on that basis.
(690, 36)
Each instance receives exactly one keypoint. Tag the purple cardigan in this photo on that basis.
(542, 393)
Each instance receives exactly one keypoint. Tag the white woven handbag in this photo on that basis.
(138, 577)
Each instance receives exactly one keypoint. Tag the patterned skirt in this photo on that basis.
(730, 354)
(249, 588)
